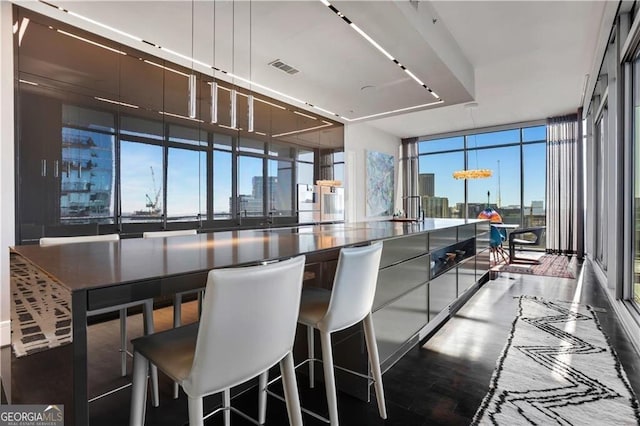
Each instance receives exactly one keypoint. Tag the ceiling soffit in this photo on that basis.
(339, 71)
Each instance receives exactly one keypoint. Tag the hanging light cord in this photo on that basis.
(250, 42)
(475, 141)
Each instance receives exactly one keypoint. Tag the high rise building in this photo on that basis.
(426, 184)
(435, 206)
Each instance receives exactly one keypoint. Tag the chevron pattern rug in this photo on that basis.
(558, 368)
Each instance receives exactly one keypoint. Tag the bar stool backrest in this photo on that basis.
(354, 287)
(55, 241)
(160, 234)
(248, 324)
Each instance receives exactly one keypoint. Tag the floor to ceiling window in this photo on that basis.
(516, 188)
(636, 181)
(186, 173)
(222, 177)
(441, 194)
(601, 226)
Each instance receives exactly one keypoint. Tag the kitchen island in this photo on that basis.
(427, 269)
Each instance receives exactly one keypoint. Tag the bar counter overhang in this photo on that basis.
(429, 267)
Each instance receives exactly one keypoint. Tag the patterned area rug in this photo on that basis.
(40, 311)
(550, 264)
(558, 368)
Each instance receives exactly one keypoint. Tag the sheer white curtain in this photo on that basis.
(562, 184)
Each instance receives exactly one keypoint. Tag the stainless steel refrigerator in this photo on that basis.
(308, 204)
(331, 203)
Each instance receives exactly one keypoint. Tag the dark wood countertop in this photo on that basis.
(93, 265)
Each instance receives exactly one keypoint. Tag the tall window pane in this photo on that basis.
(222, 174)
(305, 173)
(636, 180)
(185, 189)
(86, 176)
(305, 159)
(534, 157)
(601, 225)
(280, 195)
(140, 182)
(447, 199)
(250, 186)
(503, 186)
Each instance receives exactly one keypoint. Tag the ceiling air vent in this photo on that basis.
(284, 67)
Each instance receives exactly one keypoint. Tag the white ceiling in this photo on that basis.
(530, 59)
(519, 60)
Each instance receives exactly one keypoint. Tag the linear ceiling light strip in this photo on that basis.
(258, 85)
(302, 130)
(377, 46)
(397, 110)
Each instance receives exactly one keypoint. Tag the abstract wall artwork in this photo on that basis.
(380, 185)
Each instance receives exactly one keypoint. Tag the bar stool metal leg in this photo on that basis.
(312, 356)
(177, 310)
(291, 390)
(374, 360)
(149, 329)
(329, 378)
(262, 397)
(177, 322)
(139, 390)
(195, 412)
(226, 403)
(123, 341)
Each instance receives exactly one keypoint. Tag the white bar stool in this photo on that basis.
(248, 325)
(349, 302)
(177, 298)
(147, 308)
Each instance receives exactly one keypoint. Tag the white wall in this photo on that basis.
(358, 138)
(7, 187)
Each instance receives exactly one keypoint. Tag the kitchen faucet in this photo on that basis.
(420, 209)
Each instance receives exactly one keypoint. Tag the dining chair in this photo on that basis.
(147, 306)
(247, 325)
(524, 237)
(328, 311)
(496, 238)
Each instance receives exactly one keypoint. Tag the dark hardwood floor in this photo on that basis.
(441, 382)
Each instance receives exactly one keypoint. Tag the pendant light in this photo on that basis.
(192, 76)
(233, 113)
(250, 98)
(214, 83)
(472, 173)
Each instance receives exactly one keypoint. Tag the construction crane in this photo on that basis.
(152, 204)
(152, 207)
